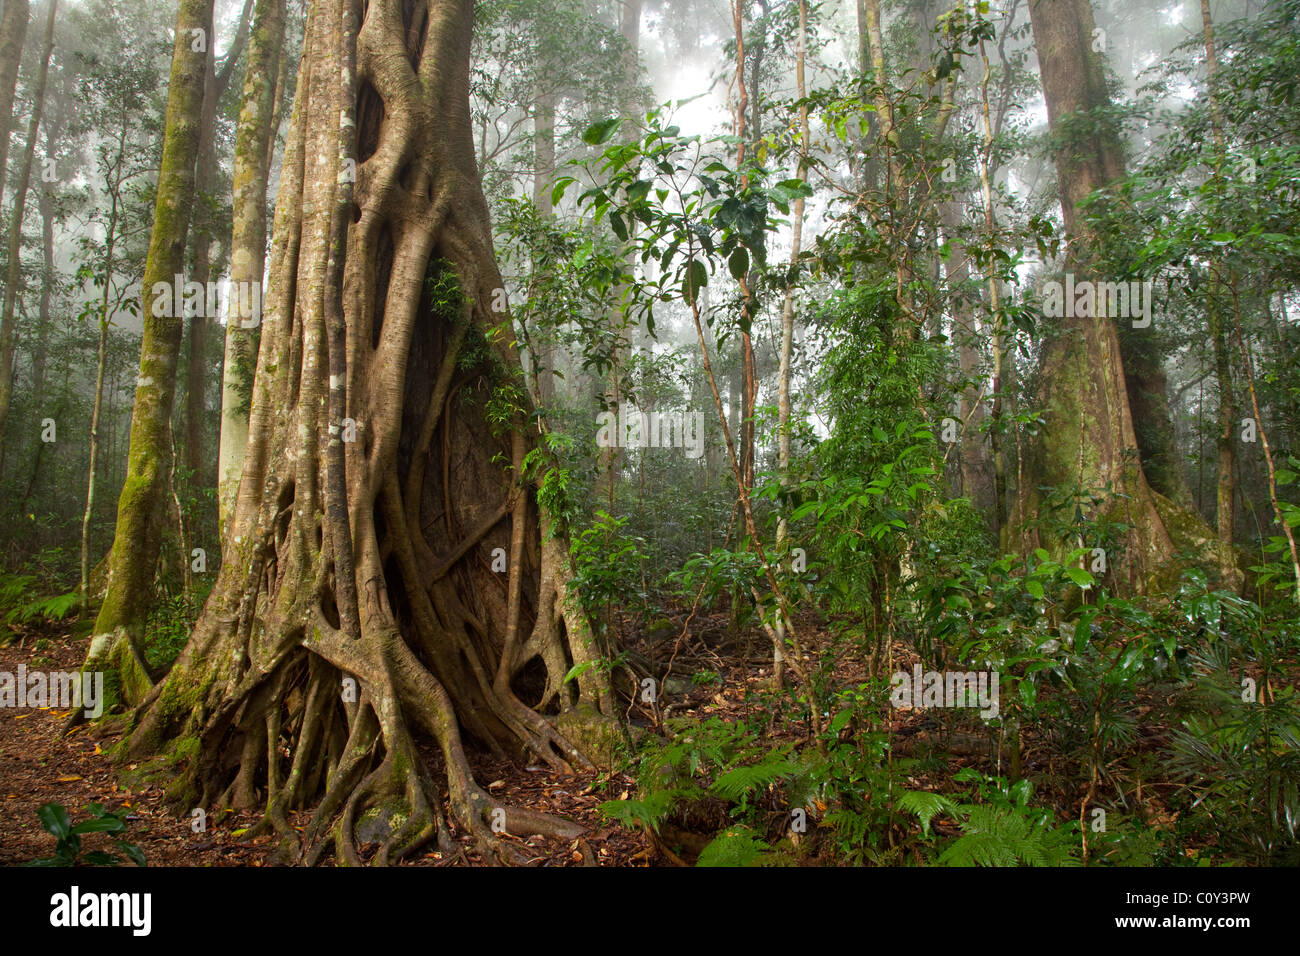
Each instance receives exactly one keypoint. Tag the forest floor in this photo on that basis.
(38, 764)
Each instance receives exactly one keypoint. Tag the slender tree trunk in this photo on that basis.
(8, 320)
(1226, 490)
(254, 143)
(995, 309)
(543, 176)
(610, 460)
(40, 350)
(783, 410)
(49, 275)
(13, 31)
(96, 416)
(749, 307)
(205, 230)
(116, 646)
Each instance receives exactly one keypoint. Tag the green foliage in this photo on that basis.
(68, 851)
(20, 602)
(608, 567)
(171, 621)
(735, 846)
(710, 760)
(1238, 750)
(1003, 829)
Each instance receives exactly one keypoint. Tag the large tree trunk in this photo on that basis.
(116, 645)
(13, 31)
(375, 487)
(8, 319)
(1088, 439)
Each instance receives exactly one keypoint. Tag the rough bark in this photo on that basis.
(1088, 440)
(116, 643)
(375, 485)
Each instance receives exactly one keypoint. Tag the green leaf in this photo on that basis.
(734, 847)
(133, 852)
(619, 227)
(577, 670)
(104, 824)
(54, 818)
(1035, 588)
(557, 191)
(601, 132)
(696, 277)
(1080, 577)
(926, 806)
(796, 187)
(738, 263)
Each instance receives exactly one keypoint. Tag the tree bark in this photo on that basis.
(254, 139)
(783, 409)
(1088, 441)
(13, 31)
(1225, 440)
(8, 319)
(376, 485)
(96, 415)
(116, 646)
(205, 230)
(543, 177)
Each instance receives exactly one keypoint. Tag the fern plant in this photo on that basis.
(702, 762)
(1002, 829)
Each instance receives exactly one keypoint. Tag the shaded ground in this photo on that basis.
(39, 765)
(708, 670)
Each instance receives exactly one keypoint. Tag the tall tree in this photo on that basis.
(13, 31)
(1088, 439)
(8, 320)
(254, 137)
(1225, 439)
(359, 559)
(783, 422)
(117, 646)
(217, 81)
